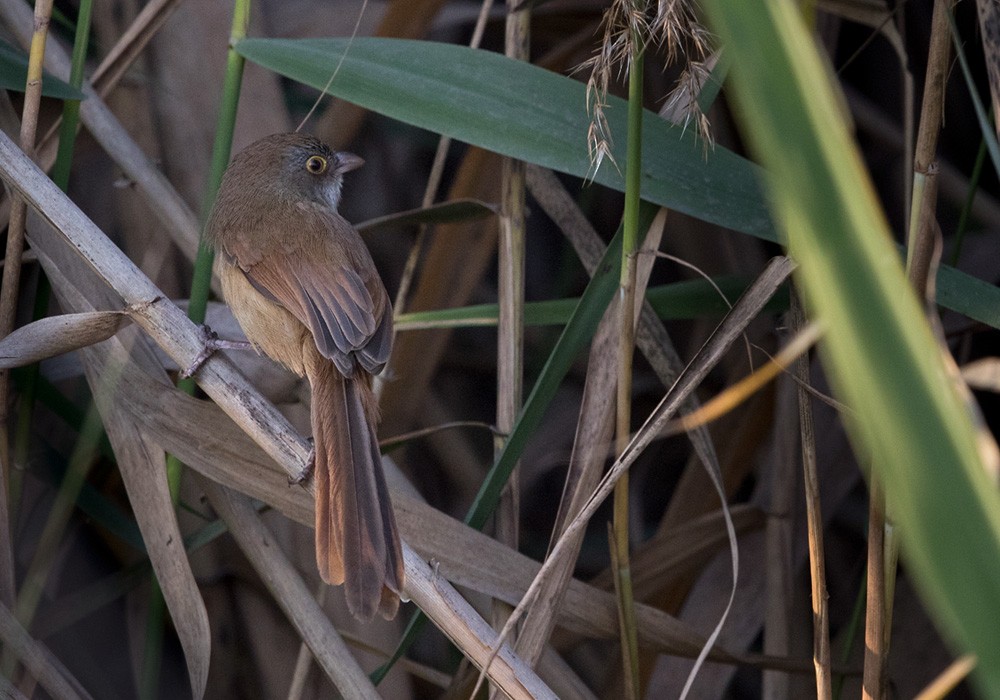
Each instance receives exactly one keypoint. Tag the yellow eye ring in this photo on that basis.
(316, 165)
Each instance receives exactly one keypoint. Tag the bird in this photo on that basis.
(305, 290)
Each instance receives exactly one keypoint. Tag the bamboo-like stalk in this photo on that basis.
(882, 564)
(510, 327)
(67, 130)
(12, 275)
(814, 524)
(626, 337)
(882, 537)
(876, 644)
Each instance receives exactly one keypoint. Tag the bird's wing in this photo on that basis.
(333, 289)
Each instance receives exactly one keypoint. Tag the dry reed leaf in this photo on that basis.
(140, 461)
(591, 446)
(199, 434)
(949, 678)
(651, 339)
(56, 335)
(651, 336)
(731, 327)
(142, 466)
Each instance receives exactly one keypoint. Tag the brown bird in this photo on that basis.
(303, 287)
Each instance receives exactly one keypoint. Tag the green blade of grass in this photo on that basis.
(907, 416)
(676, 301)
(522, 111)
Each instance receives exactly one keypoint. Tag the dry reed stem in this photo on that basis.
(932, 107)
(814, 523)
(510, 324)
(10, 288)
(876, 644)
(921, 243)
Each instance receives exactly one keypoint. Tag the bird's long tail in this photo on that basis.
(356, 538)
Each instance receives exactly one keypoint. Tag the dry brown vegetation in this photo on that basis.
(245, 599)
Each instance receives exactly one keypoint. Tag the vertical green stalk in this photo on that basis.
(197, 304)
(202, 281)
(201, 284)
(626, 298)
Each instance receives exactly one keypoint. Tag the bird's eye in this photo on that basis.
(316, 165)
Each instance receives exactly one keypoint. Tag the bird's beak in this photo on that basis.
(346, 162)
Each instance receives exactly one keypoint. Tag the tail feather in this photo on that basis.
(356, 538)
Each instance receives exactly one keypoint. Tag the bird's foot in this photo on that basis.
(211, 342)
